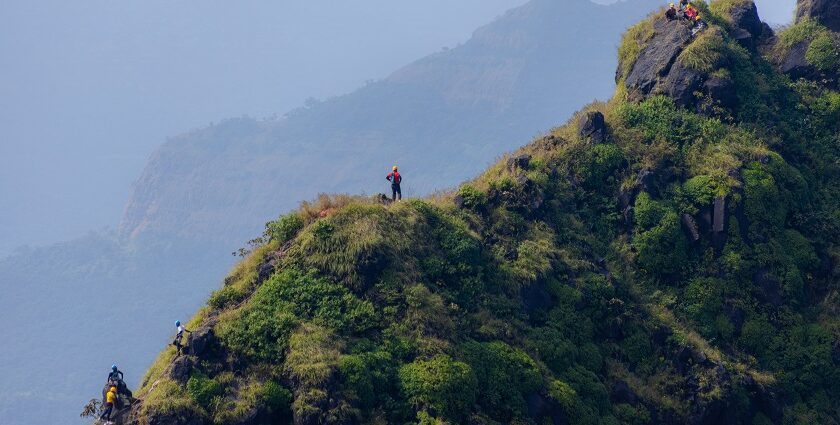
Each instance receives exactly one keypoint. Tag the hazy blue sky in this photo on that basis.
(90, 88)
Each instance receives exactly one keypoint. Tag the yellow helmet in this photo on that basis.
(672, 5)
(394, 168)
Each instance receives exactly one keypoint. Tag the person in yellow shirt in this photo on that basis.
(110, 401)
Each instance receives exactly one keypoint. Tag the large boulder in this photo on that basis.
(681, 84)
(592, 127)
(657, 58)
(745, 16)
(826, 12)
(796, 65)
(747, 27)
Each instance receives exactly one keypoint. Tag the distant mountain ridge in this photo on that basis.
(466, 104)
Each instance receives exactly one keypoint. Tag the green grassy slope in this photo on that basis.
(564, 285)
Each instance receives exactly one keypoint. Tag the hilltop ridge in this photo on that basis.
(667, 257)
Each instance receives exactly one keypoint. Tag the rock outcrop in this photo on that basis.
(826, 12)
(656, 61)
(592, 127)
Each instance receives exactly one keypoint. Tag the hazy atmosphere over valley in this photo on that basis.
(141, 143)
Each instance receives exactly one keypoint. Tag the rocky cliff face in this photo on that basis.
(826, 12)
(668, 257)
(810, 49)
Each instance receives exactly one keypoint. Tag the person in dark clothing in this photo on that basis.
(395, 178)
(116, 379)
(671, 13)
(115, 376)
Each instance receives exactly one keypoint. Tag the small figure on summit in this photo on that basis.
(179, 335)
(690, 12)
(699, 25)
(671, 13)
(396, 179)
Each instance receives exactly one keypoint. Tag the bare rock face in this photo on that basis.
(681, 84)
(658, 57)
(826, 12)
(745, 16)
(747, 27)
(593, 127)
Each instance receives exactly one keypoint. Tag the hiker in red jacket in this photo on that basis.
(395, 178)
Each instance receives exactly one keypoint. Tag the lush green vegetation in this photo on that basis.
(569, 288)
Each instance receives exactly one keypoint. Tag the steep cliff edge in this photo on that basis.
(667, 257)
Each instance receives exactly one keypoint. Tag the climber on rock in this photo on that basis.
(115, 376)
(179, 335)
(116, 379)
(396, 179)
(690, 13)
(699, 25)
(671, 13)
(108, 406)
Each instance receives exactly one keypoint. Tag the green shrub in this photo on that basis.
(599, 165)
(285, 228)
(663, 250)
(313, 355)
(203, 390)
(647, 212)
(763, 203)
(706, 52)
(372, 377)
(227, 296)
(756, 335)
(505, 376)
(474, 199)
(804, 30)
(563, 394)
(445, 387)
(276, 397)
(822, 53)
(259, 332)
(327, 303)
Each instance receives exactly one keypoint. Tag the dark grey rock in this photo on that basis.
(459, 201)
(199, 341)
(691, 226)
(826, 12)
(745, 16)
(593, 127)
(519, 161)
(720, 215)
(795, 65)
(657, 58)
(265, 270)
(622, 393)
(722, 91)
(180, 369)
(681, 85)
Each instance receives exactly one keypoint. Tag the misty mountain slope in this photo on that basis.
(522, 73)
(667, 257)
